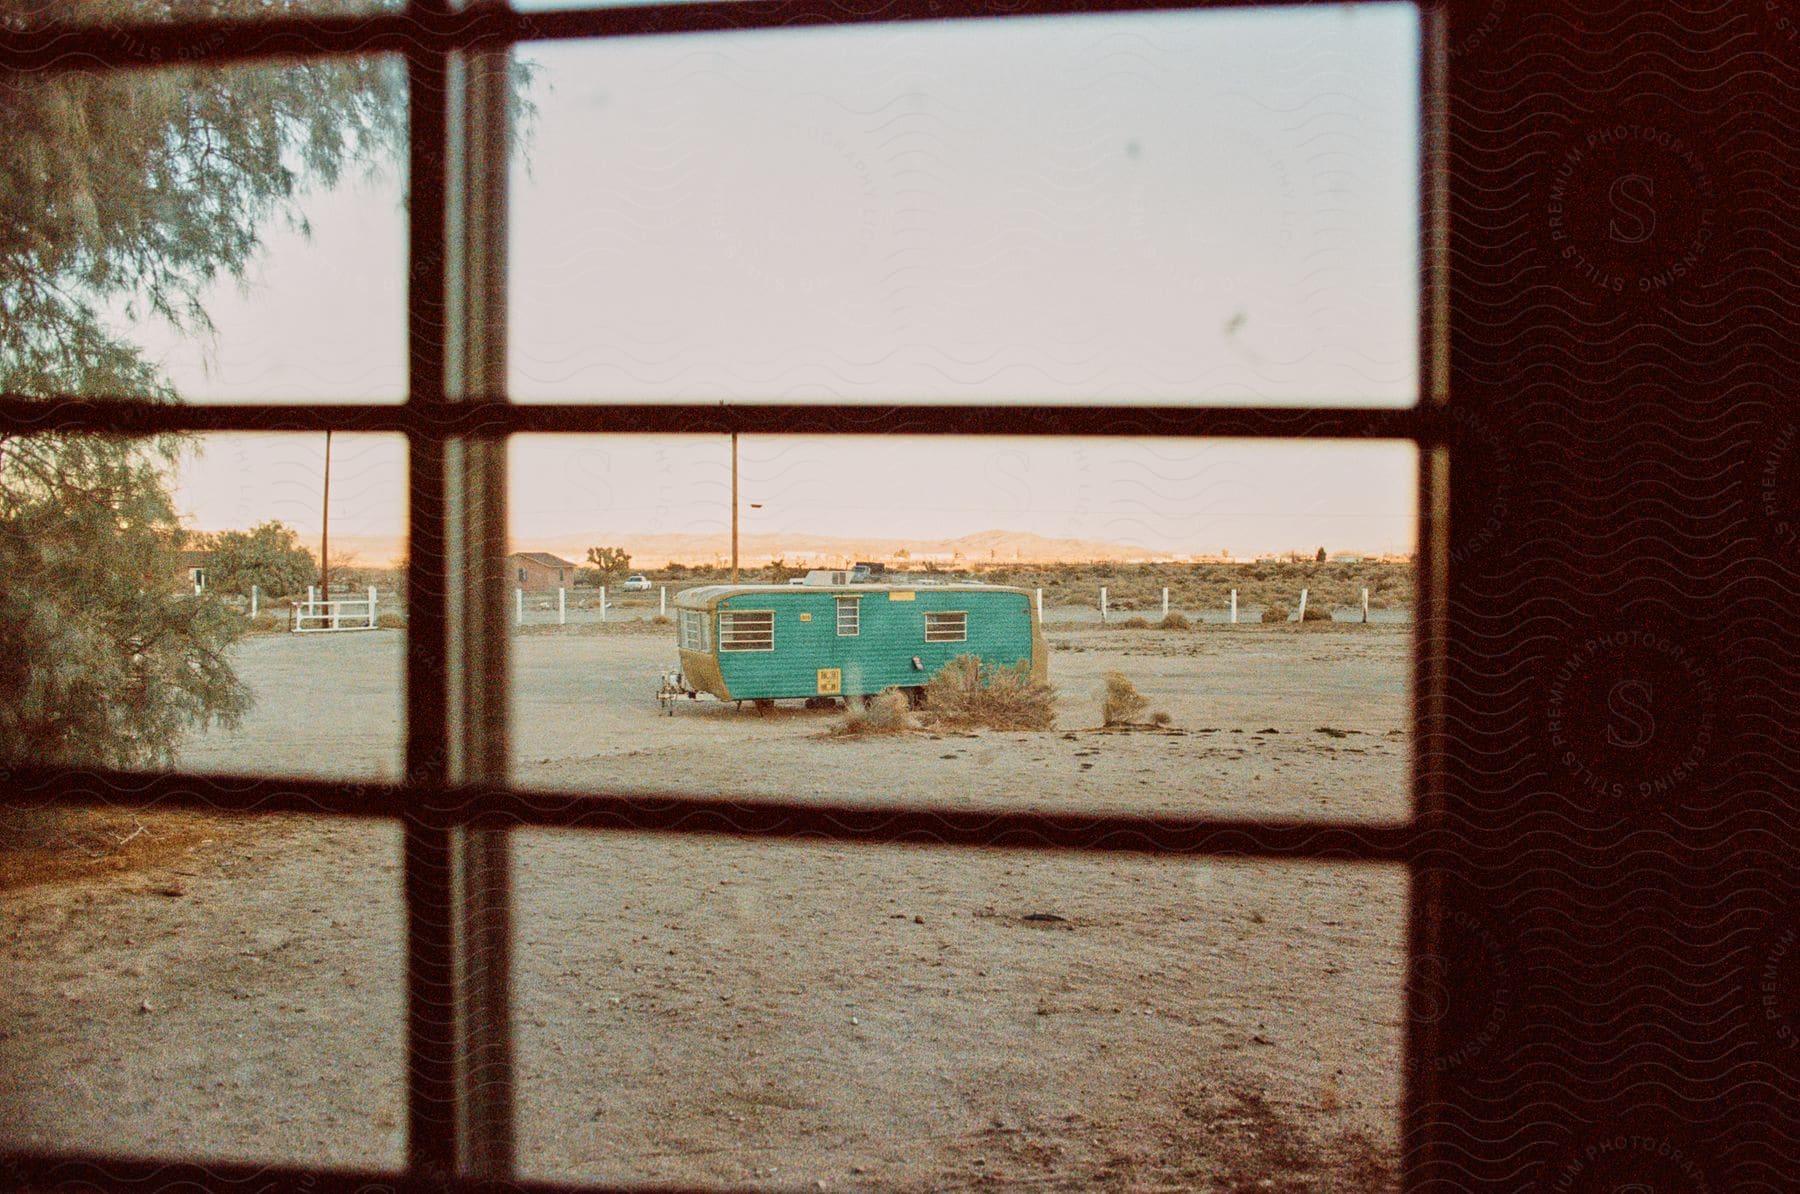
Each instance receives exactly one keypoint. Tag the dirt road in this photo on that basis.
(897, 1018)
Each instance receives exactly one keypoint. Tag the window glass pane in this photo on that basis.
(205, 234)
(882, 1018)
(1103, 702)
(161, 602)
(1213, 207)
(206, 987)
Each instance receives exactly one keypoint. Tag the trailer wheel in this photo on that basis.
(763, 704)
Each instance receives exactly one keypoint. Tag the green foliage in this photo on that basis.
(103, 661)
(130, 193)
(612, 562)
(269, 555)
(126, 196)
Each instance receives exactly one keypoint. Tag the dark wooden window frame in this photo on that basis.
(455, 804)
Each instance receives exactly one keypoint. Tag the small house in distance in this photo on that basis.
(539, 571)
(192, 559)
(190, 570)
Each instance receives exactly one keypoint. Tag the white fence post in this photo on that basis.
(1234, 607)
(1103, 603)
(562, 609)
(519, 607)
(254, 593)
(371, 607)
(1165, 602)
(1302, 605)
(1365, 605)
(1040, 605)
(603, 603)
(662, 603)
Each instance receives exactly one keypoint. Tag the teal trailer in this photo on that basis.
(771, 642)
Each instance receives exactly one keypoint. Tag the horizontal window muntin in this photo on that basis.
(430, 420)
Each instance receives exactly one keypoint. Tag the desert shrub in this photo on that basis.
(662, 620)
(1275, 613)
(966, 693)
(266, 623)
(886, 714)
(1175, 620)
(1315, 613)
(1161, 717)
(1123, 702)
(391, 621)
(1133, 624)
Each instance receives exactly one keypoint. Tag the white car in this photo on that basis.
(637, 582)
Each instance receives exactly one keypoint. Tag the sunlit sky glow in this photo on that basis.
(1214, 207)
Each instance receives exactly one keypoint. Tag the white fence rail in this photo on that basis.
(316, 615)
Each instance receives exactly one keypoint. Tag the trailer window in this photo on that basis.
(849, 617)
(694, 630)
(943, 626)
(747, 630)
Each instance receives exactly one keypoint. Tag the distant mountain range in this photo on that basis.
(979, 548)
(653, 551)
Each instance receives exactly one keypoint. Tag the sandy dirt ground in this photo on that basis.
(787, 1016)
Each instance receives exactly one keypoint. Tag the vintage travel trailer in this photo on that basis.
(818, 641)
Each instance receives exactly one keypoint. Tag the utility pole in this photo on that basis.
(325, 527)
(734, 510)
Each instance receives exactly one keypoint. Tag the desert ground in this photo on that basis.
(792, 1016)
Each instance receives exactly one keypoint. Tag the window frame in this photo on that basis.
(854, 605)
(737, 613)
(454, 802)
(685, 618)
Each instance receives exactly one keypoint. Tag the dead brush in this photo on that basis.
(966, 693)
(886, 714)
(1123, 702)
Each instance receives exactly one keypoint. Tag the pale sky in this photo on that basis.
(1216, 207)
